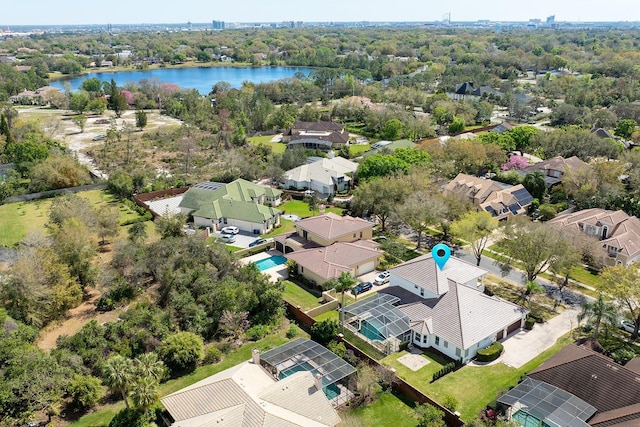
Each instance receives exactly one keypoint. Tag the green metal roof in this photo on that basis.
(234, 200)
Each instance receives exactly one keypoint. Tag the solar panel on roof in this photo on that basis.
(491, 211)
(514, 208)
(523, 196)
(209, 185)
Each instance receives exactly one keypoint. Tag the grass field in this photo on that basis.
(301, 208)
(357, 150)
(276, 147)
(299, 297)
(17, 219)
(388, 410)
(285, 227)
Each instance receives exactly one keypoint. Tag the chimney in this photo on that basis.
(317, 380)
(255, 356)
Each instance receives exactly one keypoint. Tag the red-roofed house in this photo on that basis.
(618, 232)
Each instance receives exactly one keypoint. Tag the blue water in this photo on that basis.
(527, 420)
(331, 391)
(303, 367)
(369, 330)
(272, 261)
(201, 79)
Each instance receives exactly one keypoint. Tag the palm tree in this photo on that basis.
(530, 288)
(345, 283)
(597, 311)
(148, 365)
(117, 373)
(144, 393)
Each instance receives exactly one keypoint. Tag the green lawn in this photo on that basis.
(276, 147)
(427, 371)
(329, 315)
(297, 296)
(388, 410)
(17, 219)
(474, 387)
(357, 150)
(285, 227)
(301, 208)
(103, 416)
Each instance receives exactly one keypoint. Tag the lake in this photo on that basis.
(201, 78)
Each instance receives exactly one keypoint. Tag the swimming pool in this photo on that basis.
(527, 420)
(272, 261)
(369, 330)
(331, 391)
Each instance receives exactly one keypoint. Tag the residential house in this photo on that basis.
(326, 176)
(443, 309)
(321, 264)
(467, 90)
(324, 230)
(33, 97)
(555, 168)
(501, 200)
(317, 135)
(618, 232)
(325, 246)
(296, 384)
(577, 387)
(248, 206)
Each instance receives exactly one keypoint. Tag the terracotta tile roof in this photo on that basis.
(330, 226)
(623, 230)
(558, 163)
(633, 365)
(328, 262)
(612, 389)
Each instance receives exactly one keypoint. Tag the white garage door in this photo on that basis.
(366, 268)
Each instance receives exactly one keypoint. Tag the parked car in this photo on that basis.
(231, 229)
(362, 287)
(98, 137)
(257, 242)
(189, 231)
(381, 278)
(228, 238)
(627, 326)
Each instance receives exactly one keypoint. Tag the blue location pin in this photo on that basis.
(441, 254)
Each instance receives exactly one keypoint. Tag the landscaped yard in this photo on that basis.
(435, 364)
(276, 147)
(297, 296)
(473, 386)
(357, 149)
(17, 219)
(388, 410)
(285, 227)
(301, 208)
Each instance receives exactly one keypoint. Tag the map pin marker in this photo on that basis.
(441, 254)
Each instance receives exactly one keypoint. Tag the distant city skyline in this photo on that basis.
(72, 12)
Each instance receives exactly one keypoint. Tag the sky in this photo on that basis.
(73, 12)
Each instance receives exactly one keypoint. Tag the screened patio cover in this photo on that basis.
(387, 318)
(305, 355)
(551, 405)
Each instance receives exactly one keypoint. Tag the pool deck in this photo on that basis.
(274, 273)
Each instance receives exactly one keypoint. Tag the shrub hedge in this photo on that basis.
(490, 353)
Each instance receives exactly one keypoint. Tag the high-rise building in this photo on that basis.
(218, 25)
(551, 19)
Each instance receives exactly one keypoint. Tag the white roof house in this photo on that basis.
(246, 395)
(444, 309)
(326, 176)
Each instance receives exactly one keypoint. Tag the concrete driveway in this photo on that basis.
(242, 239)
(368, 277)
(521, 347)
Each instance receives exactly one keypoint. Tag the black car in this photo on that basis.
(362, 287)
(257, 242)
